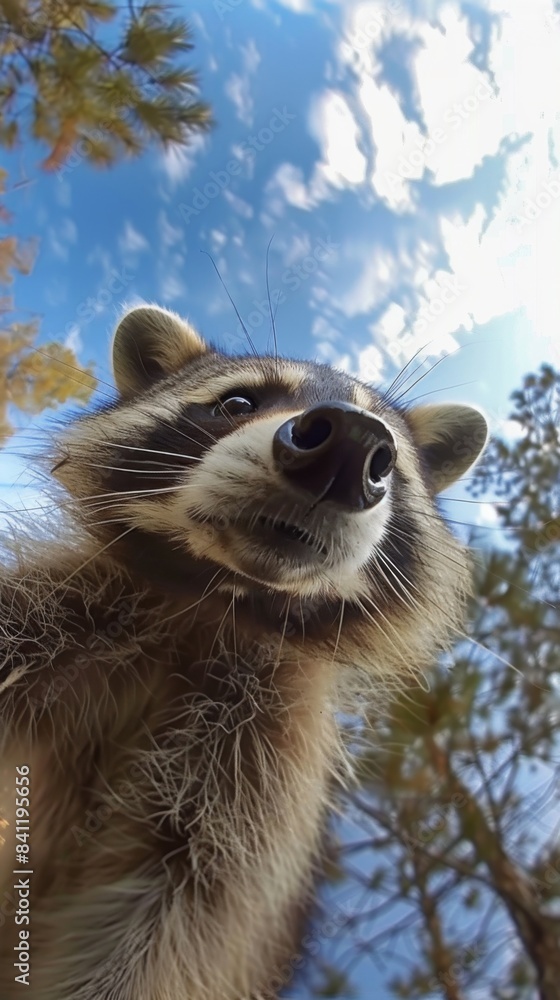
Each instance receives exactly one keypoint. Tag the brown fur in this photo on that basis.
(178, 716)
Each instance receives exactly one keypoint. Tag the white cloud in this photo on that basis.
(371, 365)
(172, 288)
(63, 193)
(218, 240)
(342, 163)
(178, 162)
(509, 430)
(239, 205)
(388, 333)
(251, 56)
(56, 292)
(324, 330)
(68, 230)
(287, 185)
(20, 489)
(504, 257)
(300, 6)
(247, 160)
(462, 121)
(332, 123)
(380, 274)
(238, 85)
(238, 90)
(100, 256)
(394, 137)
(132, 301)
(327, 352)
(73, 341)
(170, 235)
(57, 247)
(63, 237)
(297, 6)
(466, 116)
(487, 515)
(131, 241)
(294, 249)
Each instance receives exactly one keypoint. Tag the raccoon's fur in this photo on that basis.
(173, 658)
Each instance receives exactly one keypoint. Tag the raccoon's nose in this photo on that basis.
(337, 452)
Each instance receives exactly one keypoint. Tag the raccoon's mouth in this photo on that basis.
(272, 531)
(267, 547)
(292, 533)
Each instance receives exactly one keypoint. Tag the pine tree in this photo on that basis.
(460, 789)
(76, 72)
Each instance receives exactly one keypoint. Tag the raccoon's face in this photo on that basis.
(263, 473)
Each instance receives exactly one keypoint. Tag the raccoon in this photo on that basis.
(243, 549)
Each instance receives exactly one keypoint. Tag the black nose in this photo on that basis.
(335, 451)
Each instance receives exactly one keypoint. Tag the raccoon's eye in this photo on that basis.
(234, 406)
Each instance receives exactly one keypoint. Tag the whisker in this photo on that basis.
(381, 629)
(86, 501)
(391, 398)
(135, 493)
(409, 600)
(194, 424)
(396, 399)
(463, 500)
(219, 628)
(339, 633)
(66, 364)
(432, 548)
(143, 472)
(91, 559)
(237, 313)
(282, 637)
(492, 652)
(468, 524)
(272, 318)
(443, 388)
(496, 576)
(206, 593)
(387, 392)
(149, 451)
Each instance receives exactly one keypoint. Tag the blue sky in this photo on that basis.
(395, 153)
(403, 157)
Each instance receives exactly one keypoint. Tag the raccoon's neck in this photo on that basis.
(104, 655)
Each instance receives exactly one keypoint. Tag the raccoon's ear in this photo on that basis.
(149, 344)
(450, 436)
